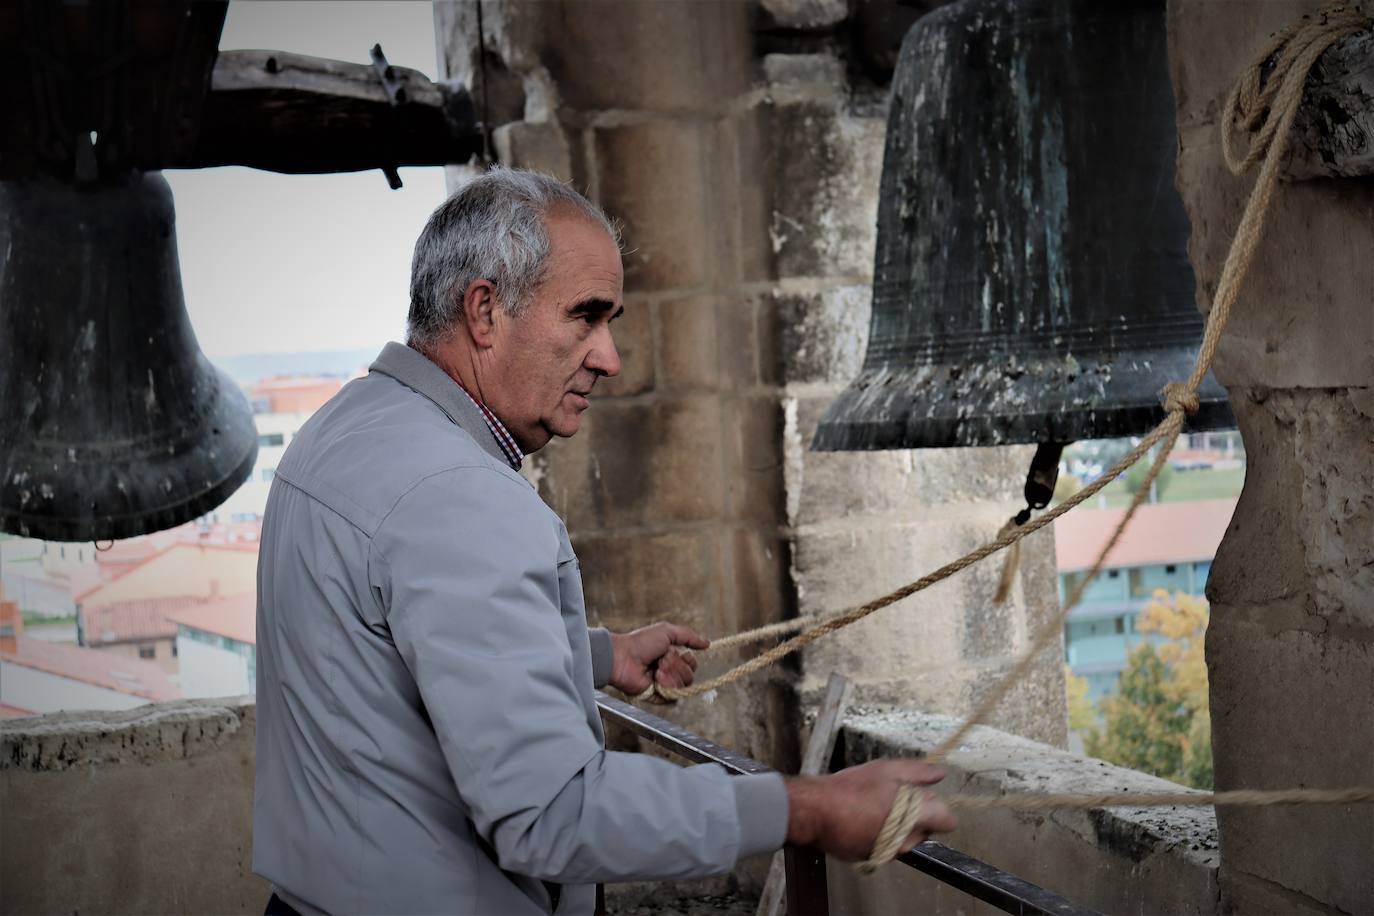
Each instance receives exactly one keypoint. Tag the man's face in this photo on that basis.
(544, 364)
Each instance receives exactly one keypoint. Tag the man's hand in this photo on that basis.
(841, 814)
(654, 654)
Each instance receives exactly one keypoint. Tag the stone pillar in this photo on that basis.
(1290, 649)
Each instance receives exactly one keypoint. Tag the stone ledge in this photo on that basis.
(1121, 859)
(160, 731)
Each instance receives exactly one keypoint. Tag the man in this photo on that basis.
(427, 735)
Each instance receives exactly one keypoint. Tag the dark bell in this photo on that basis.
(112, 422)
(1032, 281)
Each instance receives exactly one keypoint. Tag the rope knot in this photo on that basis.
(1178, 396)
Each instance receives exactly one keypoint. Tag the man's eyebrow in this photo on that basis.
(596, 307)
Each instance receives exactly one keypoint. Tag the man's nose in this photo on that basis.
(604, 359)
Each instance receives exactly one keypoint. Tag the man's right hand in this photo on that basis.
(841, 814)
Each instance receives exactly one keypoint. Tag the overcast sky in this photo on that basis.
(275, 263)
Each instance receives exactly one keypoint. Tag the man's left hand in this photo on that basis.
(654, 654)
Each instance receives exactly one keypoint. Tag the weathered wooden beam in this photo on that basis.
(1333, 135)
(815, 760)
(291, 113)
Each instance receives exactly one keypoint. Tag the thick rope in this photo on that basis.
(1298, 49)
(816, 626)
(1254, 106)
(1237, 798)
(892, 840)
(1282, 93)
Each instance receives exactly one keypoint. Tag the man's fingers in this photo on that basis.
(675, 670)
(686, 636)
(935, 818)
(918, 772)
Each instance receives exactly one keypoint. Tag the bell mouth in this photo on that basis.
(1011, 401)
(101, 491)
(112, 421)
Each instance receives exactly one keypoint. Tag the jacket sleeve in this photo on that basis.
(466, 568)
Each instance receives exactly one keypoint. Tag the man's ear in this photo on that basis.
(479, 311)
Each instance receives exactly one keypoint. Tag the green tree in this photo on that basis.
(1135, 476)
(1158, 721)
(1081, 716)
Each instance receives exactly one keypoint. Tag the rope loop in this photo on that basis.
(1275, 79)
(1177, 396)
(901, 820)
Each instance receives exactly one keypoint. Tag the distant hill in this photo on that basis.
(249, 367)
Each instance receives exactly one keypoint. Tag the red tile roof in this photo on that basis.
(295, 393)
(235, 617)
(243, 545)
(127, 621)
(1181, 532)
(8, 711)
(89, 666)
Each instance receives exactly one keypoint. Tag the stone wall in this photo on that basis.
(150, 811)
(740, 146)
(1290, 649)
(1120, 860)
(144, 811)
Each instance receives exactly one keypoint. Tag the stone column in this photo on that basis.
(1290, 650)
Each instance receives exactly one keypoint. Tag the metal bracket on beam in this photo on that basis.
(396, 95)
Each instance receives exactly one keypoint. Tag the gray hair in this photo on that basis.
(493, 228)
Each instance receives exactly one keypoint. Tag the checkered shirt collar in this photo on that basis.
(504, 440)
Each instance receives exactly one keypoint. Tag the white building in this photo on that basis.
(40, 677)
(281, 406)
(217, 646)
(247, 503)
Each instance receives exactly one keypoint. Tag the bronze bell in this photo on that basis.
(112, 421)
(1032, 281)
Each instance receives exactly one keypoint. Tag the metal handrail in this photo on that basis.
(807, 888)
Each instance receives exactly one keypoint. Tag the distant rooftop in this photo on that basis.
(90, 666)
(131, 621)
(233, 617)
(1181, 532)
(293, 393)
(184, 539)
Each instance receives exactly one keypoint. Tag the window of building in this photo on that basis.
(147, 651)
(271, 439)
(1121, 624)
(174, 648)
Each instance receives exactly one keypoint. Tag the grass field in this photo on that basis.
(1185, 486)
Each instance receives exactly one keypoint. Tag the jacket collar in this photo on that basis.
(415, 370)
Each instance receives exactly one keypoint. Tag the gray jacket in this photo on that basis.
(428, 740)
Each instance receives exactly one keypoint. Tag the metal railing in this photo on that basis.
(807, 889)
